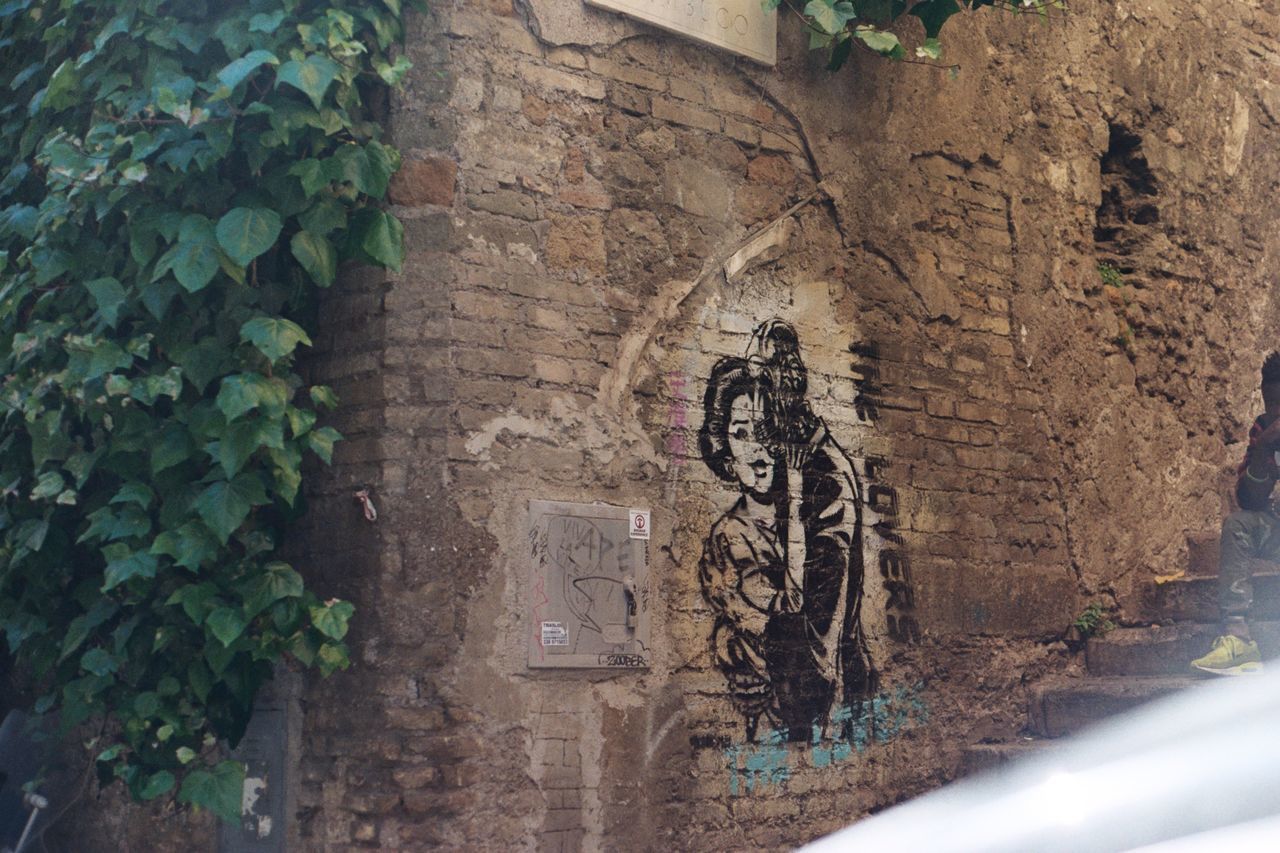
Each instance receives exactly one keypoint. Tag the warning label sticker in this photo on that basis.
(554, 634)
(639, 525)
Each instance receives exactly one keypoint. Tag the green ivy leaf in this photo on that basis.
(321, 442)
(931, 49)
(312, 176)
(322, 395)
(331, 619)
(125, 564)
(226, 624)
(225, 505)
(190, 545)
(235, 72)
(63, 85)
(80, 627)
(202, 362)
(107, 525)
(134, 493)
(173, 448)
(48, 486)
(244, 392)
(829, 15)
(242, 439)
(332, 657)
(933, 14)
(274, 337)
(266, 23)
(277, 581)
(98, 662)
(109, 295)
(245, 233)
(194, 260)
(219, 790)
(157, 784)
(886, 44)
(317, 256)
(312, 75)
(382, 237)
(194, 600)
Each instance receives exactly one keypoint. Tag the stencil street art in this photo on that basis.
(769, 762)
(782, 568)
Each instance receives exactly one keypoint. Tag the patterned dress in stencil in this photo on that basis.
(741, 574)
(793, 669)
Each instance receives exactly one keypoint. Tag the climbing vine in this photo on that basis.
(836, 26)
(178, 181)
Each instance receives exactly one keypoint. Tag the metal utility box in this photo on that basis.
(588, 582)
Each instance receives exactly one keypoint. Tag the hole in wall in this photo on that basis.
(1129, 190)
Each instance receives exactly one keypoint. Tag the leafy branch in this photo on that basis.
(838, 25)
(179, 183)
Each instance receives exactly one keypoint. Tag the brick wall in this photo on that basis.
(572, 187)
(1027, 438)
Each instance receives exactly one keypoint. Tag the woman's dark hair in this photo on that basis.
(1271, 369)
(779, 345)
(730, 378)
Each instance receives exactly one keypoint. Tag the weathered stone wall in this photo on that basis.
(1028, 437)
(573, 185)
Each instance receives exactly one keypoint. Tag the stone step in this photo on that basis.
(1165, 649)
(1066, 706)
(1195, 599)
(980, 757)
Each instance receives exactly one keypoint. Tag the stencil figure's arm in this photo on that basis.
(793, 597)
(734, 573)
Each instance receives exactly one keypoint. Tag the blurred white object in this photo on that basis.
(1197, 771)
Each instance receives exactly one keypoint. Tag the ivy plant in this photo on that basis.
(178, 180)
(836, 26)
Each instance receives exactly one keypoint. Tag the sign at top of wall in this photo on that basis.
(738, 26)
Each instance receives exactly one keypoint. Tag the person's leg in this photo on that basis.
(1246, 536)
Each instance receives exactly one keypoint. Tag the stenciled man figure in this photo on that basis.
(1251, 533)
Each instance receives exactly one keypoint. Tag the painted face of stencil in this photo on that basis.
(751, 461)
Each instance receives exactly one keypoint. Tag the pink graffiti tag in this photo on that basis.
(677, 417)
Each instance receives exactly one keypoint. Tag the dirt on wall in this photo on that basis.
(601, 217)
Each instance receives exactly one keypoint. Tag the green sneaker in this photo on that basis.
(1230, 656)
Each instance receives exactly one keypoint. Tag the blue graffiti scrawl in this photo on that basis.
(768, 762)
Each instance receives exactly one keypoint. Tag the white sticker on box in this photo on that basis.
(639, 523)
(554, 634)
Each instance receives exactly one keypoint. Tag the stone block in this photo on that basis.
(562, 819)
(772, 169)
(742, 131)
(1011, 599)
(505, 203)
(685, 113)
(425, 180)
(686, 90)
(629, 99)
(576, 243)
(627, 73)
(1065, 707)
(693, 187)
(544, 77)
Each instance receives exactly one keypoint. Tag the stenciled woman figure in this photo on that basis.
(743, 567)
(782, 568)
